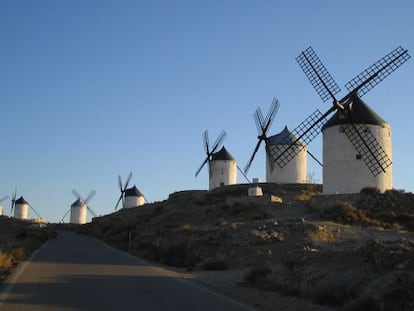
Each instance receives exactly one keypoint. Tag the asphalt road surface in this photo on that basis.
(76, 272)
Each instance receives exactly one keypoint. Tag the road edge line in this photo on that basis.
(14, 276)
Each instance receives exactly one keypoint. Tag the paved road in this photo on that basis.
(76, 272)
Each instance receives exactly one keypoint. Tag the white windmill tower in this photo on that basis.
(291, 170)
(222, 166)
(133, 197)
(79, 208)
(1, 206)
(356, 141)
(130, 197)
(21, 208)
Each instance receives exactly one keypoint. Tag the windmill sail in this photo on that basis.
(373, 155)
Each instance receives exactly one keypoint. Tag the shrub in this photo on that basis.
(19, 254)
(6, 260)
(370, 190)
(347, 213)
(394, 191)
(257, 275)
(306, 196)
(176, 254)
(215, 265)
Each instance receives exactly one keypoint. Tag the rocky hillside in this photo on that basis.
(352, 252)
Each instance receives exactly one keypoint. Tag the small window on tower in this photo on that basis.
(358, 156)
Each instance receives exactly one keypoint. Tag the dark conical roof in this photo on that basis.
(223, 154)
(285, 137)
(78, 203)
(133, 192)
(357, 112)
(21, 200)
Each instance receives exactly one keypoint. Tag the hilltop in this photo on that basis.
(292, 247)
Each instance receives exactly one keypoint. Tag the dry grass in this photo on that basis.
(6, 260)
(17, 241)
(347, 213)
(321, 235)
(19, 253)
(306, 195)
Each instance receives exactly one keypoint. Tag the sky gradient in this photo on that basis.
(90, 89)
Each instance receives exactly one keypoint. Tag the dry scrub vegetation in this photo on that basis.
(18, 240)
(295, 255)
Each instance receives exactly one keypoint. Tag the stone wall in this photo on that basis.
(398, 202)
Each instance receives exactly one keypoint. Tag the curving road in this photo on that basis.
(76, 272)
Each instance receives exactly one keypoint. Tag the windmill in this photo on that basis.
(365, 142)
(79, 207)
(130, 197)
(13, 201)
(295, 172)
(122, 188)
(222, 166)
(263, 126)
(1, 206)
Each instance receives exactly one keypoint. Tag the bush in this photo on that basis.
(394, 191)
(19, 254)
(306, 195)
(176, 253)
(257, 275)
(6, 260)
(370, 190)
(347, 213)
(215, 265)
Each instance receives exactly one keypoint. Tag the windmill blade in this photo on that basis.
(76, 194)
(128, 180)
(257, 116)
(120, 183)
(90, 195)
(315, 158)
(13, 201)
(65, 215)
(119, 200)
(206, 142)
(145, 198)
(92, 212)
(263, 126)
(367, 147)
(305, 133)
(271, 114)
(244, 175)
(35, 211)
(373, 75)
(218, 141)
(201, 167)
(249, 163)
(260, 120)
(317, 74)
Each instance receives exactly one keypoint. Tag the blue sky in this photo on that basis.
(90, 89)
